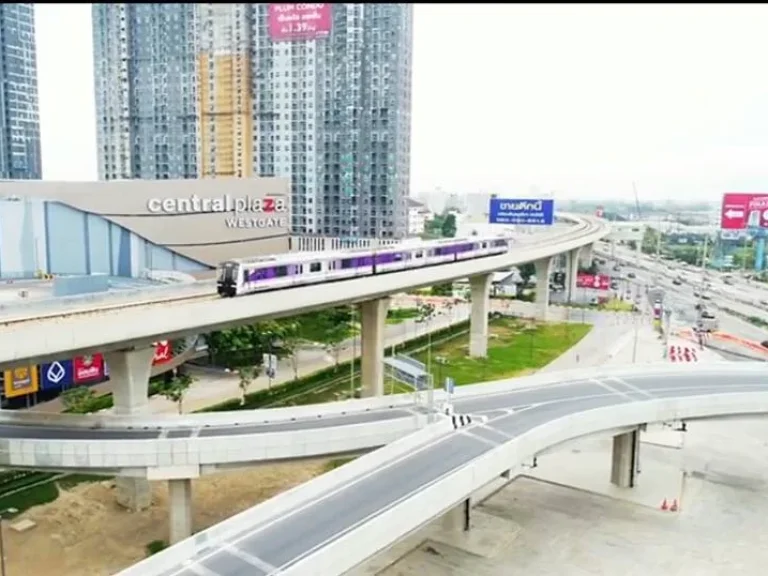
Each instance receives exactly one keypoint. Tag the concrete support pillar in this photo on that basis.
(457, 519)
(373, 315)
(626, 452)
(129, 372)
(571, 271)
(180, 509)
(543, 269)
(478, 320)
(586, 254)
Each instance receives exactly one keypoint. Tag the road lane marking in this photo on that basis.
(632, 387)
(200, 570)
(474, 436)
(612, 389)
(252, 560)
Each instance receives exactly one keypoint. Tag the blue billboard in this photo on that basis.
(526, 212)
(56, 375)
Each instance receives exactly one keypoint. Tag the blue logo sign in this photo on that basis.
(522, 212)
(56, 375)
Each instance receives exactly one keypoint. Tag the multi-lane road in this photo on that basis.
(278, 544)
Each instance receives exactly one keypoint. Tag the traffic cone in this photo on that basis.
(664, 505)
(673, 508)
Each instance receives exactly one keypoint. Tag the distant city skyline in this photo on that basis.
(591, 97)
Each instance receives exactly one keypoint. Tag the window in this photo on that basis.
(347, 263)
(315, 267)
(281, 271)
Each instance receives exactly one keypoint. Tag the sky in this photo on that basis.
(580, 100)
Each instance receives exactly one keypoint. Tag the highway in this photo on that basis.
(681, 299)
(290, 540)
(38, 336)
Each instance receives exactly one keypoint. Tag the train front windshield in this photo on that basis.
(228, 273)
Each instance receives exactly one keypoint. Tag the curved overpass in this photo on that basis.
(35, 335)
(168, 447)
(332, 523)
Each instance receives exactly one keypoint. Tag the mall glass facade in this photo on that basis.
(50, 237)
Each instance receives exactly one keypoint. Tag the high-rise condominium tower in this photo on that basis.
(19, 111)
(320, 93)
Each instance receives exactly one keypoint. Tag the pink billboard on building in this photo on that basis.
(299, 21)
(595, 281)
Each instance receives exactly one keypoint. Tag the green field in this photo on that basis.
(515, 348)
(400, 315)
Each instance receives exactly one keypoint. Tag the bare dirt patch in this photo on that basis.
(85, 533)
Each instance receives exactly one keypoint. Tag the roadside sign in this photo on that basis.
(527, 212)
(742, 210)
(449, 384)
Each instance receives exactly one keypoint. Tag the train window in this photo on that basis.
(418, 255)
(315, 267)
(281, 271)
(485, 244)
(347, 263)
(397, 257)
(245, 275)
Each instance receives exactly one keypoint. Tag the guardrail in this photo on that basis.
(312, 412)
(184, 457)
(23, 309)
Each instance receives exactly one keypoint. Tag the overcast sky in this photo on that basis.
(577, 99)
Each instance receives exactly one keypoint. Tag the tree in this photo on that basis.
(244, 345)
(247, 375)
(527, 270)
(651, 239)
(78, 400)
(443, 289)
(331, 327)
(175, 389)
(425, 311)
(448, 228)
(291, 340)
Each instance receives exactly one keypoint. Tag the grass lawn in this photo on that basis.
(400, 315)
(515, 348)
(617, 305)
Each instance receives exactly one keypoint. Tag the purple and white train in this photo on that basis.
(246, 276)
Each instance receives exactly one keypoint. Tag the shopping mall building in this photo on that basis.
(125, 228)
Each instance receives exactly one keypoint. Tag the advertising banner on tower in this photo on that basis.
(20, 381)
(56, 375)
(742, 210)
(163, 352)
(88, 369)
(299, 21)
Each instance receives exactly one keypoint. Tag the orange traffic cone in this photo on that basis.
(673, 508)
(664, 505)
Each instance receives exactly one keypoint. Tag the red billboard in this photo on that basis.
(595, 281)
(740, 211)
(163, 352)
(299, 21)
(87, 369)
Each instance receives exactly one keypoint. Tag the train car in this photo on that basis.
(247, 276)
